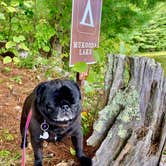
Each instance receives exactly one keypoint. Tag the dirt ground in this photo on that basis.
(15, 85)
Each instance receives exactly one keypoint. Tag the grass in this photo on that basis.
(158, 56)
(7, 156)
(6, 135)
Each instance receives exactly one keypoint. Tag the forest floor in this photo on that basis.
(15, 85)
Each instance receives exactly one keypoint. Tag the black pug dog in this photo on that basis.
(56, 108)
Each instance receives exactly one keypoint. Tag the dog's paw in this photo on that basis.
(38, 163)
(85, 161)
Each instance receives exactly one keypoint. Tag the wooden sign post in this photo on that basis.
(86, 16)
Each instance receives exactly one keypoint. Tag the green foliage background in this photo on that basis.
(38, 30)
(152, 36)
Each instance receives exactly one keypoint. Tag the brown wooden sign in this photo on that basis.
(86, 16)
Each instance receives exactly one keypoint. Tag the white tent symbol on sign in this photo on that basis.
(88, 10)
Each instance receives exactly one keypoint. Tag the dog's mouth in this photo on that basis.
(64, 123)
(64, 117)
(63, 120)
(64, 114)
(61, 115)
(60, 119)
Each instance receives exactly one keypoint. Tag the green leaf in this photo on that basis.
(99, 54)
(72, 151)
(96, 55)
(18, 39)
(28, 4)
(80, 67)
(91, 76)
(22, 38)
(3, 4)
(11, 9)
(5, 153)
(17, 79)
(10, 44)
(2, 16)
(16, 60)
(7, 69)
(7, 60)
(46, 48)
(23, 46)
(9, 137)
(14, 3)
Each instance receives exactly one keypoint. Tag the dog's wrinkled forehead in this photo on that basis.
(58, 91)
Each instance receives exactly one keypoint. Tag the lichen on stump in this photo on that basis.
(131, 128)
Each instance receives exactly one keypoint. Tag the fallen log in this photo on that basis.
(131, 128)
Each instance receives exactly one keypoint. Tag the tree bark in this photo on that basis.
(131, 129)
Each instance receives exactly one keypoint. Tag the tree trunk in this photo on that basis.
(131, 129)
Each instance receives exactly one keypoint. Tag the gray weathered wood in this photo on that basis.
(131, 129)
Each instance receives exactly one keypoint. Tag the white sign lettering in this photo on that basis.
(84, 44)
(85, 52)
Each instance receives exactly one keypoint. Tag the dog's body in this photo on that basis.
(56, 108)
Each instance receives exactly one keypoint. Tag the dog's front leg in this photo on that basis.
(77, 140)
(38, 151)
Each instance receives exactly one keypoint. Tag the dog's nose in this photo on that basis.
(66, 108)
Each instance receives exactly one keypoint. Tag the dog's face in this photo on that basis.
(58, 101)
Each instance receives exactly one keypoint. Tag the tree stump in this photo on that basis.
(131, 128)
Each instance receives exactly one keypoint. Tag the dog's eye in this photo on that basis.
(49, 110)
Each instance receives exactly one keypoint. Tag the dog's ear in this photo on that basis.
(39, 91)
(76, 85)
